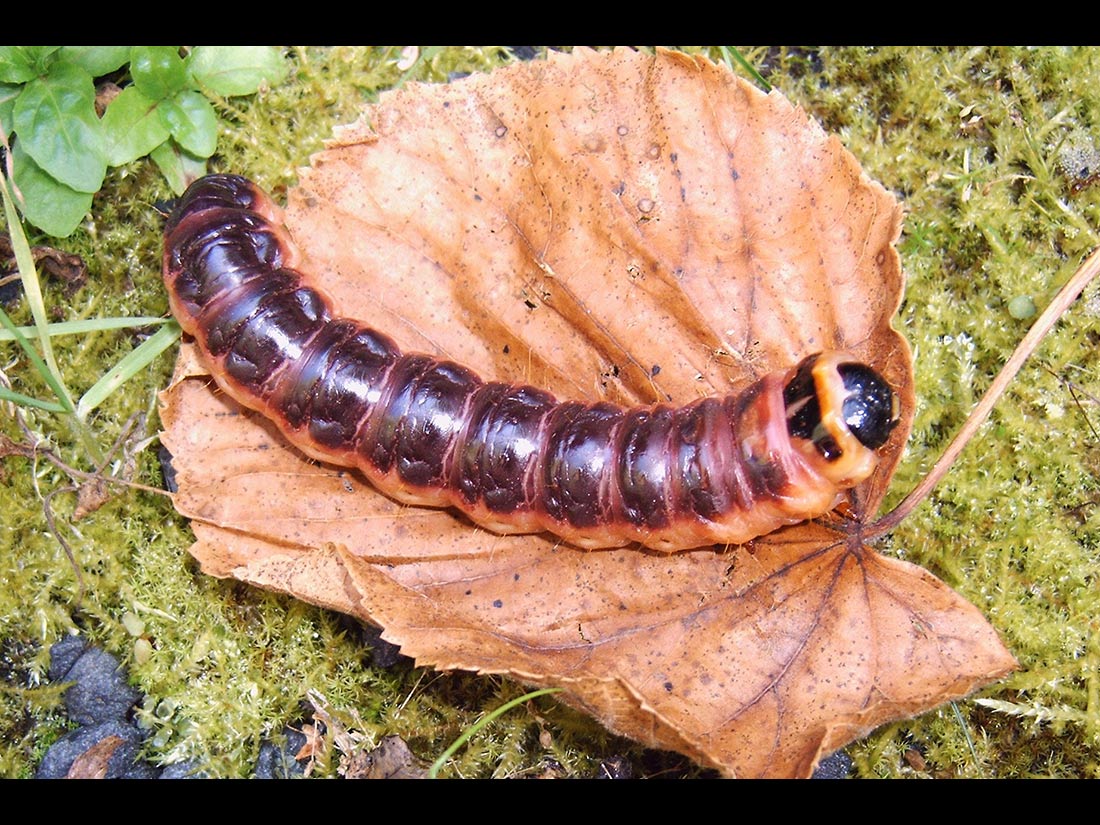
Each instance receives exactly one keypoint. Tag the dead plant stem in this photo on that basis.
(1066, 296)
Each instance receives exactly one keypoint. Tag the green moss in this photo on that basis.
(976, 141)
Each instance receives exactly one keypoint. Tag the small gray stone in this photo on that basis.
(183, 770)
(834, 766)
(100, 691)
(63, 655)
(279, 763)
(122, 763)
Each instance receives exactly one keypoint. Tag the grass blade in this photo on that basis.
(433, 771)
(733, 55)
(87, 325)
(127, 368)
(33, 291)
(14, 334)
(27, 401)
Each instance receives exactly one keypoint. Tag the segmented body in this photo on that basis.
(513, 458)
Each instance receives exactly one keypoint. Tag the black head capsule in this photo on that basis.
(871, 408)
(850, 391)
(803, 409)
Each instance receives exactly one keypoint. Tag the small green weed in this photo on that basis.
(159, 105)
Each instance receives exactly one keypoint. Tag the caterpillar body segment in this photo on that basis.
(512, 457)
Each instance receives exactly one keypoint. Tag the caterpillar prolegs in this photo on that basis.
(511, 457)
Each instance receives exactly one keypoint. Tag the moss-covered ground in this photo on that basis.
(996, 154)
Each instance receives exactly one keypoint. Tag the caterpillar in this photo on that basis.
(514, 459)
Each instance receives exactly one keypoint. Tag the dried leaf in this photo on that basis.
(93, 763)
(90, 496)
(67, 268)
(392, 759)
(627, 228)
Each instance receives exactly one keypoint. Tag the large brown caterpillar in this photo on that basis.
(511, 457)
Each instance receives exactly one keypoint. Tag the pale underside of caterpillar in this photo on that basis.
(429, 432)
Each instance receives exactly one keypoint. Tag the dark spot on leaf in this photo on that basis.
(594, 144)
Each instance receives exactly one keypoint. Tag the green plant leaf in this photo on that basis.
(96, 60)
(158, 71)
(193, 123)
(18, 64)
(180, 168)
(56, 123)
(52, 206)
(236, 70)
(132, 127)
(8, 93)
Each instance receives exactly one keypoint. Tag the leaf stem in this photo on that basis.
(1066, 296)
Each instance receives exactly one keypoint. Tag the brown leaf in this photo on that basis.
(93, 763)
(105, 93)
(392, 759)
(606, 226)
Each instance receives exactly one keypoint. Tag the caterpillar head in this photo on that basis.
(840, 411)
